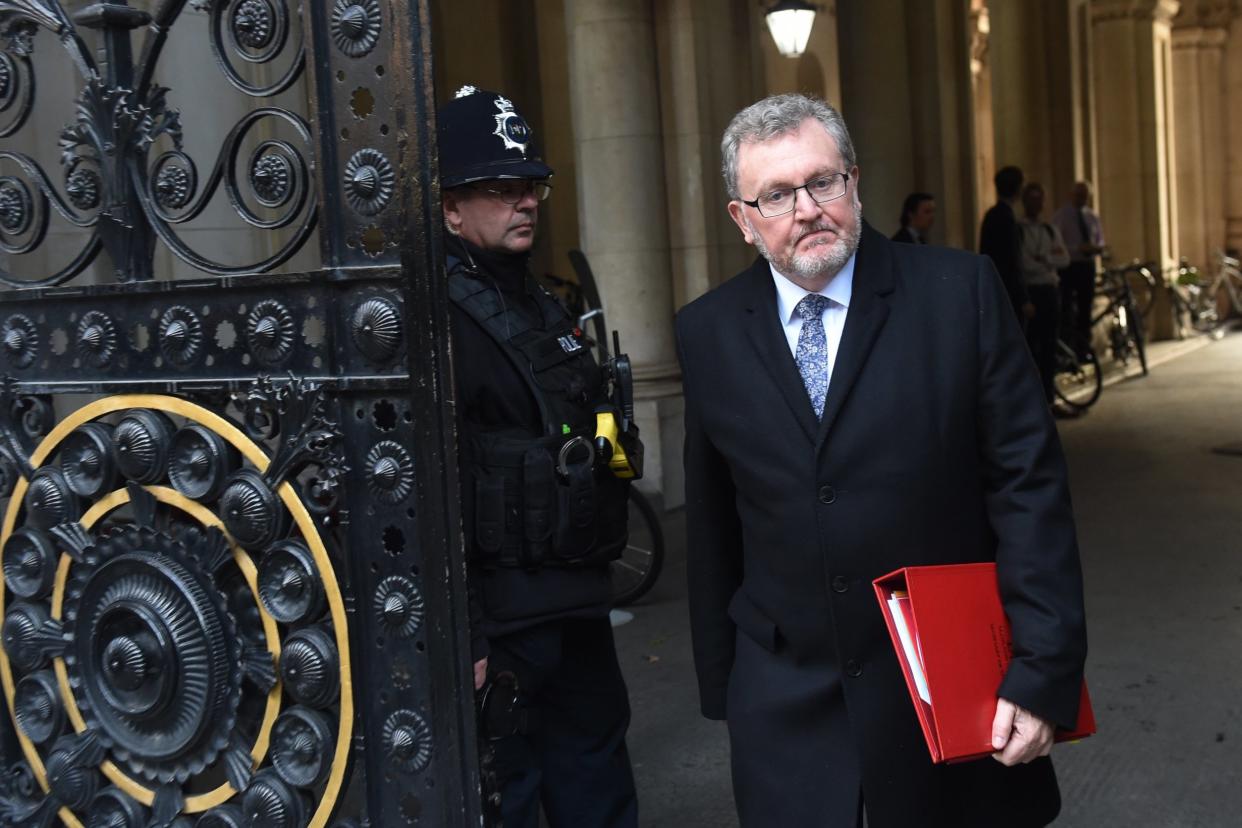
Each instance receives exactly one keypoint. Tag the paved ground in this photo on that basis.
(1159, 517)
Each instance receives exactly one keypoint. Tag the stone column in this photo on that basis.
(622, 213)
(979, 30)
(876, 102)
(688, 153)
(1137, 190)
(1082, 92)
(1032, 60)
(941, 115)
(1199, 117)
(1233, 94)
(909, 113)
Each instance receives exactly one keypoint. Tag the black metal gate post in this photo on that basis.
(233, 583)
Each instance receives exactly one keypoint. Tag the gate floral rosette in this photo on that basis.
(175, 645)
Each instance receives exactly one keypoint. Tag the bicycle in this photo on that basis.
(1142, 281)
(1185, 285)
(1077, 383)
(638, 567)
(1203, 300)
(1125, 331)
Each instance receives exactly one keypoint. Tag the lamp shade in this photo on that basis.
(790, 23)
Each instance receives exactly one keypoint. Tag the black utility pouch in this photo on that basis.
(489, 513)
(538, 502)
(575, 528)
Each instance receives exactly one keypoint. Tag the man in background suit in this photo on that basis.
(854, 406)
(1000, 240)
(918, 214)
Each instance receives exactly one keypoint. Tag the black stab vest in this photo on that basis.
(534, 502)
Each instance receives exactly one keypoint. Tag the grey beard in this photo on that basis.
(818, 263)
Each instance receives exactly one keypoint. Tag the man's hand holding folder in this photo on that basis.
(1019, 735)
(952, 640)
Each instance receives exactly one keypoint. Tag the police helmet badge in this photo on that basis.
(510, 127)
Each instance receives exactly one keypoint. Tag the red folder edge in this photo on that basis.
(884, 588)
(942, 595)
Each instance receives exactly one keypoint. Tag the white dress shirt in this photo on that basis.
(838, 291)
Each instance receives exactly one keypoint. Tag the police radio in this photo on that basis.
(616, 433)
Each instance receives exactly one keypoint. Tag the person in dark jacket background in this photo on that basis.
(918, 215)
(542, 519)
(1001, 241)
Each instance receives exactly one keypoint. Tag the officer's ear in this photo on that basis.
(452, 211)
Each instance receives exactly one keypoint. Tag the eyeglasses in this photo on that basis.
(513, 190)
(779, 202)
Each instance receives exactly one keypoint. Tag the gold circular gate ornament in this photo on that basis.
(203, 516)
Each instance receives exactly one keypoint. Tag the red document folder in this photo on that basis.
(961, 636)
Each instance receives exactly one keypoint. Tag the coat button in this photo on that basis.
(840, 583)
(827, 494)
(853, 669)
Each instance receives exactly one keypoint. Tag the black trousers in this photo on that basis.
(571, 757)
(1077, 302)
(1041, 333)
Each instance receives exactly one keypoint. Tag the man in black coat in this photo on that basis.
(1001, 241)
(854, 406)
(542, 520)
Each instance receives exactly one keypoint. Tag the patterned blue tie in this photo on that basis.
(812, 353)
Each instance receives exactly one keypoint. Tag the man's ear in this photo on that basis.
(735, 213)
(452, 212)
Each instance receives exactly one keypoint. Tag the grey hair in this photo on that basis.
(774, 116)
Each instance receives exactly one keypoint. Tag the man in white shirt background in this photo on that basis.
(1043, 253)
(1083, 234)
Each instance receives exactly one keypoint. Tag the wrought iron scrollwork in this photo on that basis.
(110, 186)
(16, 90)
(23, 419)
(256, 31)
(279, 176)
(296, 413)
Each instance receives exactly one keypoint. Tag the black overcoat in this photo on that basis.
(936, 446)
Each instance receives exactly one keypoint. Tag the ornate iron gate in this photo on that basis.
(232, 588)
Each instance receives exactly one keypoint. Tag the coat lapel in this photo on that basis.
(767, 333)
(873, 282)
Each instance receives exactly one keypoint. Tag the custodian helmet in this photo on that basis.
(481, 136)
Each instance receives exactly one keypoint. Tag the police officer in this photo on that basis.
(542, 516)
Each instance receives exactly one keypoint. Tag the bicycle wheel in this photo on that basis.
(1202, 307)
(1135, 329)
(1142, 287)
(1077, 384)
(638, 568)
